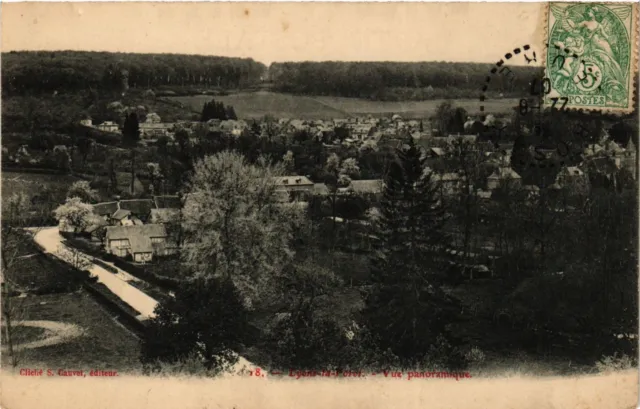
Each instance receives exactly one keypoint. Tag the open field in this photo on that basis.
(412, 109)
(257, 104)
(104, 344)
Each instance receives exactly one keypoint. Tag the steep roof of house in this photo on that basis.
(630, 145)
(105, 209)
(437, 151)
(292, 181)
(613, 147)
(121, 214)
(505, 173)
(167, 202)
(140, 207)
(155, 125)
(367, 186)
(139, 236)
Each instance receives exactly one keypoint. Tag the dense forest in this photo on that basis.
(396, 80)
(37, 72)
(68, 71)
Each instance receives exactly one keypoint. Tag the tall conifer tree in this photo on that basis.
(130, 138)
(407, 309)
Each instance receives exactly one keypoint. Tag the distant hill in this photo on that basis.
(67, 71)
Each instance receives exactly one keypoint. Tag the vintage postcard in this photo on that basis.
(311, 205)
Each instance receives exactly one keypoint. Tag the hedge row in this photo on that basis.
(31, 168)
(104, 265)
(82, 278)
(166, 283)
(123, 312)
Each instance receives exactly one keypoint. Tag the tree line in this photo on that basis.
(396, 80)
(69, 71)
(217, 110)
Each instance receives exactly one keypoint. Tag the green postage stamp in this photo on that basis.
(592, 54)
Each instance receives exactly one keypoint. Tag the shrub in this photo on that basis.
(616, 362)
(206, 318)
(475, 355)
(191, 365)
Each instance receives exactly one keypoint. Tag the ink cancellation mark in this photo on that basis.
(501, 68)
(591, 55)
(562, 152)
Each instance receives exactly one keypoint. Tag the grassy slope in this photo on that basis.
(31, 183)
(104, 345)
(412, 109)
(258, 104)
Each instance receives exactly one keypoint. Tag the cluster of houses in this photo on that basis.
(359, 129)
(135, 228)
(300, 188)
(151, 128)
(605, 160)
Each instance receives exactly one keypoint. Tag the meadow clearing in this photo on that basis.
(257, 104)
(32, 183)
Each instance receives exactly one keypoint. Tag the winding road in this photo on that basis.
(50, 240)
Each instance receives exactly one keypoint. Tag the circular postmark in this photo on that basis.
(533, 145)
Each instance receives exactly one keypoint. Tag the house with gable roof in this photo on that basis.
(139, 208)
(504, 174)
(141, 243)
(369, 188)
(298, 187)
(570, 175)
(105, 210)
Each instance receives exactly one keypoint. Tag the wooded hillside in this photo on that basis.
(45, 71)
(396, 80)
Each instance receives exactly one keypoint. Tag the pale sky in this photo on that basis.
(268, 32)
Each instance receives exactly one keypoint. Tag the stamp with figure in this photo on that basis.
(591, 57)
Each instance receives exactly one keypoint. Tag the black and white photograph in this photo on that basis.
(273, 205)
